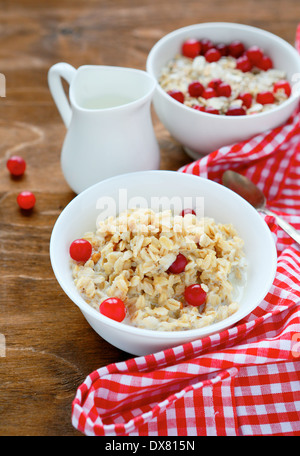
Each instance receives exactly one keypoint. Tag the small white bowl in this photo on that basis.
(220, 203)
(201, 133)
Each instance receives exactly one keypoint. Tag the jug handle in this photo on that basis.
(56, 72)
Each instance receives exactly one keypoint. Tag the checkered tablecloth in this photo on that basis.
(242, 381)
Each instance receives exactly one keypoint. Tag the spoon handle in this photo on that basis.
(284, 225)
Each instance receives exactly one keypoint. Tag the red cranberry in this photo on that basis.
(26, 200)
(214, 83)
(243, 64)
(177, 95)
(265, 98)
(212, 55)
(195, 89)
(224, 90)
(236, 49)
(236, 111)
(206, 45)
(209, 93)
(198, 108)
(191, 48)
(16, 165)
(179, 264)
(265, 64)
(195, 295)
(254, 54)
(188, 210)
(80, 250)
(113, 308)
(223, 49)
(210, 110)
(283, 85)
(246, 99)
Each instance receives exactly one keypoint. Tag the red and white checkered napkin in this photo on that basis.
(243, 381)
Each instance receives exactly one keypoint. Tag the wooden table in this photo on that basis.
(46, 346)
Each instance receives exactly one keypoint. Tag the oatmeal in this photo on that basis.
(224, 79)
(172, 272)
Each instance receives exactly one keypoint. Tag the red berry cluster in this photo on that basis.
(253, 57)
(194, 294)
(215, 88)
(212, 53)
(16, 165)
(246, 60)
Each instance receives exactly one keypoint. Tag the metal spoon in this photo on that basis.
(245, 188)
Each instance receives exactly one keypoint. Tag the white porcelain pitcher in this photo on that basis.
(109, 123)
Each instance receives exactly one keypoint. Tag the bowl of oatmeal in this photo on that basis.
(221, 83)
(155, 259)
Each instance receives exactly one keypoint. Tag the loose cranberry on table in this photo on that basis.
(265, 63)
(16, 165)
(246, 99)
(265, 98)
(212, 55)
(283, 85)
(223, 90)
(113, 308)
(235, 111)
(209, 92)
(80, 250)
(191, 48)
(177, 95)
(26, 200)
(236, 48)
(255, 55)
(195, 89)
(243, 64)
(195, 295)
(179, 264)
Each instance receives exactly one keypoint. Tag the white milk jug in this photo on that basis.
(109, 124)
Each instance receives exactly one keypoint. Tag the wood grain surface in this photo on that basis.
(46, 346)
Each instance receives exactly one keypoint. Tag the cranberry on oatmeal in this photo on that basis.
(225, 79)
(160, 271)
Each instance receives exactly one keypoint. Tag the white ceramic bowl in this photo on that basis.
(201, 133)
(220, 203)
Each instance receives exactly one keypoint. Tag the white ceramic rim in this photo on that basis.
(133, 103)
(204, 25)
(157, 334)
